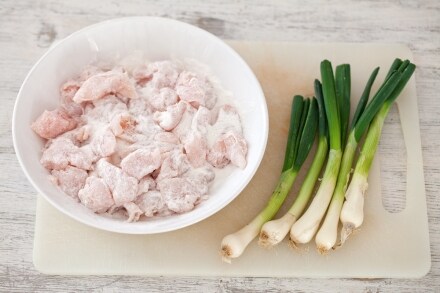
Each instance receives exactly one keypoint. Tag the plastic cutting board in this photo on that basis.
(389, 245)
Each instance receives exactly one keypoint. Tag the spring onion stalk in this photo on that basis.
(352, 213)
(327, 234)
(364, 98)
(305, 228)
(273, 232)
(343, 89)
(301, 135)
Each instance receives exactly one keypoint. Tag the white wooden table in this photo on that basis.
(28, 28)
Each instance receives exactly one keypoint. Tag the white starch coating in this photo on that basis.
(141, 141)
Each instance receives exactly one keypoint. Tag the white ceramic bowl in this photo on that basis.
(158, 38)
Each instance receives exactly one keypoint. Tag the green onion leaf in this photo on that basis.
(364, 98)
(304, 114)
(322, 118)
(308, 134)
(375, 104)
(406, 75)
(331, 105)
(343, 90)
(295, 120)
(394, 67)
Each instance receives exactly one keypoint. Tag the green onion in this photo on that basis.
(302, 131)
(343, 89)
(273, 232)
(305, 228)
(326, 237)
(364, 98)
(295, 121)
(352, 213)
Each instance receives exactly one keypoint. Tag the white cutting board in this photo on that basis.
(389, 245)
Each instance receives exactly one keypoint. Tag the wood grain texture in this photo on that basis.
(28, 28)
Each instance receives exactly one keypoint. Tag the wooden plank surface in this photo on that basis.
(28, 28)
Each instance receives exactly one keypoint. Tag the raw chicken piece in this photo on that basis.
(166, 142)
(102, 84)
(70, 180)
(181, 130)
(124, 147)
(50, 124)
(69, 89)
(126, 144)
(133, 211)
(158, 74)
(141, 162)
(123, 187)
(104, 144)
(195, 143)
(175, 164)
(230, 147)
(145, 184)
(104, 110)
(171, 117)
(236, 149)
(217, 155)
(195, 89)
(82, 134)
(179, 194)
(77, 135)
(90, 154)
(160, 99)
(203, 174)
(122, 122)
(201, 177)
(201, 120)
(196, 149)
(147, 127)
(67, 92)
(227, 120)
(62, 152)
(150, 202)
(121, 151)
(96, 195)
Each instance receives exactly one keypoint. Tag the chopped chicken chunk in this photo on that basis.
(179, 194)
(195, 89)
(50, 124)
(141, 162)
(96, 195)
(171, 117)
(150, 202)
(123, 187)
(62, 152)
(70, 180)
(133, 211)
(102, 84)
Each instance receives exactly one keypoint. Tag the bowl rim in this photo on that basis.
(195, 219)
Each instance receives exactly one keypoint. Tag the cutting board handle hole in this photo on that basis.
(392, 167)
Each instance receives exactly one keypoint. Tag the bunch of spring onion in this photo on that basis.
(327, 234)
(337, 95)
(302, 132)
(352, 214)
(273, 232)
